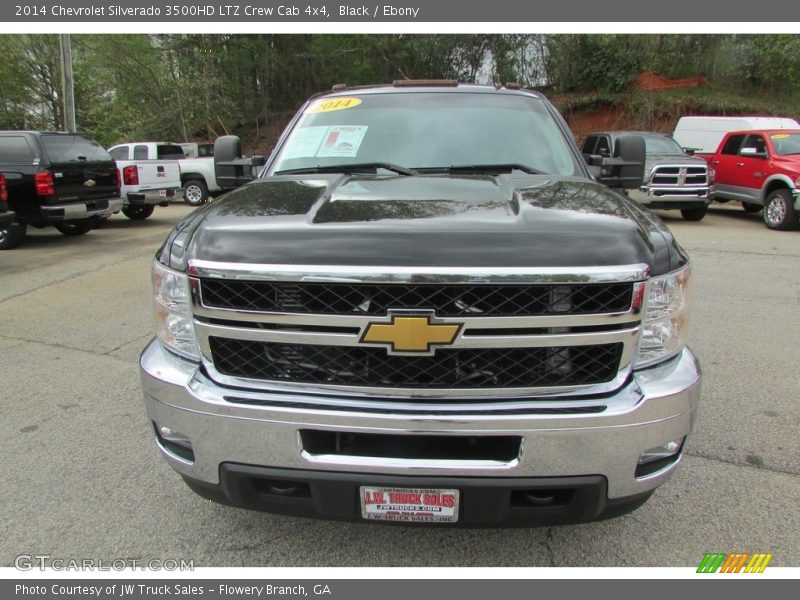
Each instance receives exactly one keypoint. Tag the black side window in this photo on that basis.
(588, 145)
(733, 144)
(120, 153)
(140, 152)
(169, 152)
(603, 146)
(14, 149)
(757, 142)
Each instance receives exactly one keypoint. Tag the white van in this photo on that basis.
(703, 134)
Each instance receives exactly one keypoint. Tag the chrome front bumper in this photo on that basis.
(152, 196)
(664, 195)
(657, 406)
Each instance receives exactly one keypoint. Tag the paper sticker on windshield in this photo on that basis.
(305, 142)
(779, 136)
(342, 140)
(332, 104)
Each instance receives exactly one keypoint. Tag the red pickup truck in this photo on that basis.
(761, 169)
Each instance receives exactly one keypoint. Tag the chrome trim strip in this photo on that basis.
(361, 321)
(405, 463)
(422, 274)
(206, 330)
(407, 395)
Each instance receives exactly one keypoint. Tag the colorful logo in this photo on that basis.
(739, 562)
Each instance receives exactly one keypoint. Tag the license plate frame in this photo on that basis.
(409, 505)
(162, 193)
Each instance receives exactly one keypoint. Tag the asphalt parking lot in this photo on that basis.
(82, 478)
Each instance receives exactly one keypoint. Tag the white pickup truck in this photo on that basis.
(149, 175)
(197, 172)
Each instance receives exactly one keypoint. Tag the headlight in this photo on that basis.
(173, 306)
(665, 323)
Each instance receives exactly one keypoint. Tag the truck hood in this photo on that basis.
(651, 160)
(427, 220)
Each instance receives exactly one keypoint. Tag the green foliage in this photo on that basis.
(198, 86)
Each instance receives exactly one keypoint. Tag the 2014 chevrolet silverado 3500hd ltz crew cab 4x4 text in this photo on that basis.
(425, 309)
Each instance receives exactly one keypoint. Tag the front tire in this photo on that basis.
(694, 214)
(779, 211)
(74, 228)
(750, 207)
(195, 192)
(138, 213)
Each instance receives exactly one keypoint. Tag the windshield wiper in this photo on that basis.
(350, 168)
(487, 168)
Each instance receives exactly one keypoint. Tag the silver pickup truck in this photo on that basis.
(674, 180)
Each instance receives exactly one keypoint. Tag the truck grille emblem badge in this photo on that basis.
(681, 176)
(90, 183)
(411, 332)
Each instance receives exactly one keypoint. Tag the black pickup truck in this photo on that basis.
(425, 309)
(66, 180)
(8, 233)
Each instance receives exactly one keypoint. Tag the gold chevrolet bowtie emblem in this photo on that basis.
(411, 333)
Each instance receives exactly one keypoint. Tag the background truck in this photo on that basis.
(149, 174)
(701, 135)
(761, 169)
(424, 309)
(673, 180)
(197, 173)
(66, 180)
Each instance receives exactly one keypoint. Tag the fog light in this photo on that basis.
(174, 442)
(659, 457)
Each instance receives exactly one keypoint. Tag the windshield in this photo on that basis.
(786, 143)
(427, 130)
(662, 144)
(68, 148)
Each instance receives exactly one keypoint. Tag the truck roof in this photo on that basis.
(764, 131)
(416, 86)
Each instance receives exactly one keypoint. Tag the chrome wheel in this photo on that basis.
(776, 211)
(779, 210)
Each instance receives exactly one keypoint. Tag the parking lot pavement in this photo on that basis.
(82, 478)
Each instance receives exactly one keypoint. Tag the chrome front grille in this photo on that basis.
(677, 175)
(521, 334)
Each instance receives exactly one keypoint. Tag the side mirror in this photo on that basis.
(231, 169)
(690, 151)
(626, 168)
(753, 152)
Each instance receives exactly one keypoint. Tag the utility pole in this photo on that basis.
(67, 83)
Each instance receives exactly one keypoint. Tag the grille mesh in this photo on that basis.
(448, 369)
(446, 300)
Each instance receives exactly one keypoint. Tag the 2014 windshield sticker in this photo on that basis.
(342, 141)
(332, 104)
(326, 141)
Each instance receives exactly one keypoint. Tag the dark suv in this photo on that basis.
(67, 180)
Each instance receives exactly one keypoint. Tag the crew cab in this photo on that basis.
(761, 169)
(66, 180)
(673, 179)
(150, 175)
(424, 309)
